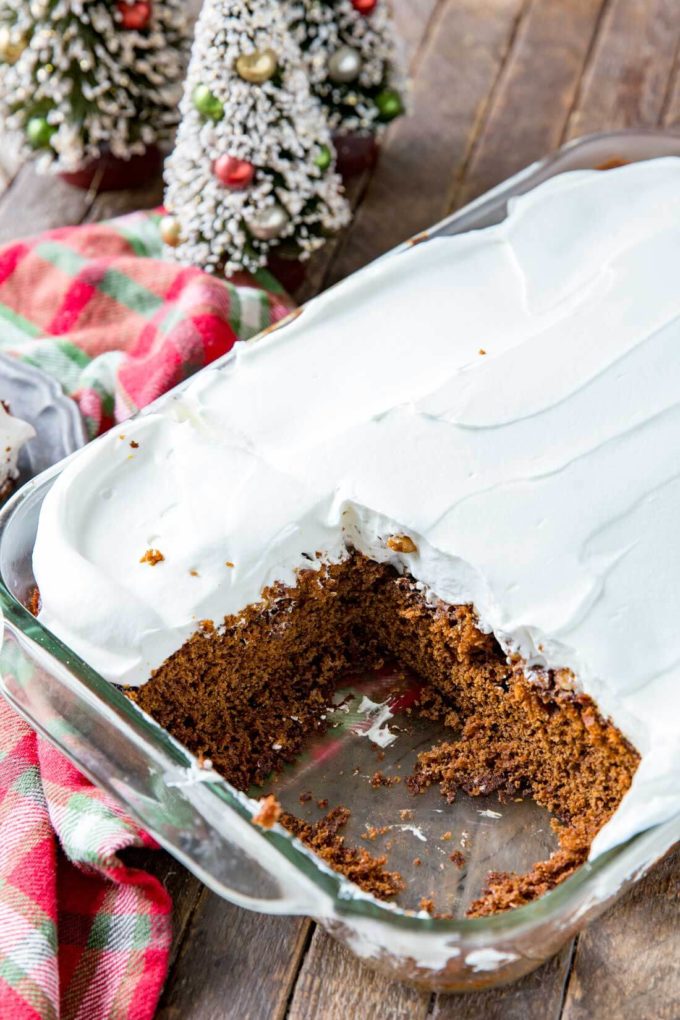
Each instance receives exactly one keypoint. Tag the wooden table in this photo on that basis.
(497, 84)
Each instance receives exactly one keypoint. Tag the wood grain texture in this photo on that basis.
(539, 996)
(234, 963)
(627, 964)
(411, 20)
(671, 111)
(333, 985)
(535, 92)
(626, 81)
(425, 153)
(117, 203)
(10, 162)
(34, 203)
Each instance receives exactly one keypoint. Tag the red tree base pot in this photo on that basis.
(355, 153)
(290, 273)
(110, 173)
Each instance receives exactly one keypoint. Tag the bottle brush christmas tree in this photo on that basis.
(252, 173)
(350, 50)
(84, 78)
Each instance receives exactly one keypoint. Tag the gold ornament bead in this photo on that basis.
(12, 45)
(170, 231)
(257, 67)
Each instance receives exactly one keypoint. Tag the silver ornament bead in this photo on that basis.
(268, 223)
(344, 65)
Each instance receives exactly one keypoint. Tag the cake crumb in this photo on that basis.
(305, 797)
(356, 863)
(417, 862)
(457, 858)
(33, 604)
(269, 813)
(380, 779)
(427, 904)
(372, 832)
(482, 351)
(152, 557)
(402, 544)
(322, 804)
(194, 573)
(406, 814)
(446, 836)
(134, 444)
(229, 563)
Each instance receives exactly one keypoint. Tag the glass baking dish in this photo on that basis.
(207, 824)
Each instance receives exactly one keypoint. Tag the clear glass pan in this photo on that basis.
(206, 824)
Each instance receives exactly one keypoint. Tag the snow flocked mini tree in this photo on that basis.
(252, 173)
(350, 50)
(82, 79)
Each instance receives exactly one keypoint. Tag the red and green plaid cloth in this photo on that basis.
(98, 308)
(82, 936)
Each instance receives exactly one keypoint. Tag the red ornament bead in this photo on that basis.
(364, 6)
(135, 16)
(233, 173)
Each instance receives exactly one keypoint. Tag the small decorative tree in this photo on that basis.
(350, 50)
(82, 79)
(252, 172)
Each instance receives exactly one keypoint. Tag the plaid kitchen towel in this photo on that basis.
(98, 308)
(83, 937)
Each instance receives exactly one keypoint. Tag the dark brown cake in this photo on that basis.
(248, 692)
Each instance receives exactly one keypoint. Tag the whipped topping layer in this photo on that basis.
(509, 398)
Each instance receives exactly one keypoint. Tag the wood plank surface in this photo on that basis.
(626, 82)
(627, 964)
(551, 47)
(671, 111)
(496, 84)
(32, 204)
(234, 963)
(333, 985)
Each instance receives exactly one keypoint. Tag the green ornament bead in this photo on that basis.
(389, 105)
(39, 132)
(207, 103)
(324, 158)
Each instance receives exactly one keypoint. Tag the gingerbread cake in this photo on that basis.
(464, 458)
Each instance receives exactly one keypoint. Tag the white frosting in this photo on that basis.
(540, 480)
(14, 434)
